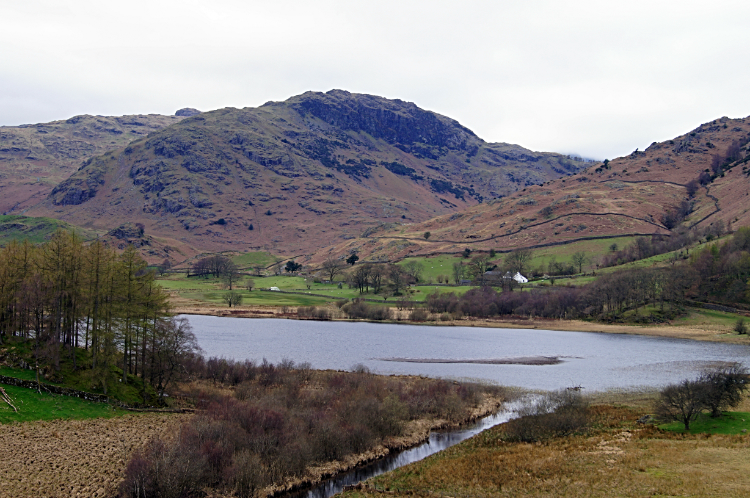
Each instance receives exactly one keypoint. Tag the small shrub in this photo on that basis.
(418, 315)
(740, 326)
(559, 413)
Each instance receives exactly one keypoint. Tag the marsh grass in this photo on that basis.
(618, 457)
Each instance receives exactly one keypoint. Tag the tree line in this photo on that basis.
(719, 273)
(65, 294)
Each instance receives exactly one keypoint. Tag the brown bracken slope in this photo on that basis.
(627, 196)
(35, 158)
(294, 176)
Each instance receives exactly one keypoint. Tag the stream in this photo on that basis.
(438, 441)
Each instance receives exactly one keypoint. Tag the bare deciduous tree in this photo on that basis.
(724, 387)
(518, 260)
(414, 269)
(682, 402)
(477, 268)
(459, 271)
(332, 267)
(232, 298)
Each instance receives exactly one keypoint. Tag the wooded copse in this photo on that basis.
(65, 294)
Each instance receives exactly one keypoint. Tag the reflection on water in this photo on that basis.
(594, 361)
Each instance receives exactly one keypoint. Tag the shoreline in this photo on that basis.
(696, 332)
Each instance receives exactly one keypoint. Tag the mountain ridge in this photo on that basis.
(34, 158)
(281, 175)
(703, 172)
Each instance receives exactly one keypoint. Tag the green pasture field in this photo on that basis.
(708, 318)
(594, 249)
(250, 259)
(212, 290)
(436, 265)
(34, 406)
(443, 264)
(728, 423)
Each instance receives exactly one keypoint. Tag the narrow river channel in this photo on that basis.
(439, 440)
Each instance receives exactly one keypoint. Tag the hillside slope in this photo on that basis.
(35, 158)
(294, 176)
(632, 195)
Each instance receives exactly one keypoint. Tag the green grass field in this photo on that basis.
(728, 423)
(34, 406)
(35, 230)
(707, 318)
(77, 378)
(250, 259)
(212, 290)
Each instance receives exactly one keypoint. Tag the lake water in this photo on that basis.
(595, 361)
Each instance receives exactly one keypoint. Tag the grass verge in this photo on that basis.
(728, 423)
(35, 406)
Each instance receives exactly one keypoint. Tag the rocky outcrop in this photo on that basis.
(395, 121)
(187, 112)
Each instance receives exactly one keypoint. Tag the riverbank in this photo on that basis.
(416, 433)
(697, 328)
(617, 457)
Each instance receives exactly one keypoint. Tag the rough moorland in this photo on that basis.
(297, 175)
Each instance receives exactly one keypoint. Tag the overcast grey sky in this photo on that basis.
(598, 78)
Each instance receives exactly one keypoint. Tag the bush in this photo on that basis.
(556, 414)
(418, 315)
(276, 425)
(321, 313)
(740, 326)
(724, 387)
(360, 309)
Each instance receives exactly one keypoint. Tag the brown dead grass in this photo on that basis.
(74, 458)
(617, 458)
